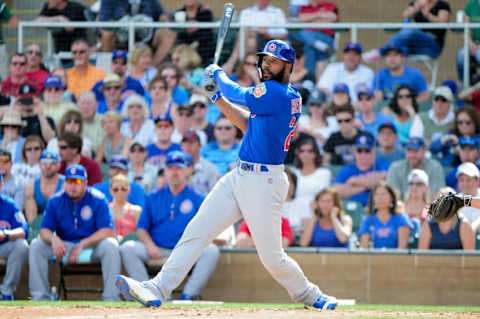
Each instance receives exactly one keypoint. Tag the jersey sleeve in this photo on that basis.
(145, 220)
(49, 217)
(104, 215)
(264, 98)
(365, 225)
(231, 90)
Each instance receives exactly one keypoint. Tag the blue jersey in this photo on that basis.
(136, 195)
(75, 221)
(166, 215)
(11, 216)
(157, 156)
(385, 82)
(384, 235)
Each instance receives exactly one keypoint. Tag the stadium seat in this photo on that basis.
(356, 211)
(429, 63)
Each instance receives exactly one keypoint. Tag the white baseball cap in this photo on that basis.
(418, 176)
(468, 169)
(444, 91)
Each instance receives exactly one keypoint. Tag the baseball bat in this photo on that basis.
(222, 32)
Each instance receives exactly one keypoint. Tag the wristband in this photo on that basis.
(214, 98)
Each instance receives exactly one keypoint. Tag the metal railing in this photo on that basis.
(353, 28)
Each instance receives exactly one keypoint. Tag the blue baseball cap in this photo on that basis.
(119, 54)
(76, 171)
(364, 141)
(415, 143)
(177, 158)
(160, 118)
(341, 87)
(49, 156)
(53, 81)
(119, 161)
(468, 141)
(352, 46)
(389, 125)
(363, 89)
(392, 46)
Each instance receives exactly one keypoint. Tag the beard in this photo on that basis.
(275, 77)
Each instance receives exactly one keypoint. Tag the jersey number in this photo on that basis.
(288, 139)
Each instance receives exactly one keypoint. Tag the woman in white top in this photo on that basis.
(29, 169)
(161, 101)
(138, 126)
(141, 68)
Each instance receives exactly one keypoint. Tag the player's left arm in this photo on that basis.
(237, 115)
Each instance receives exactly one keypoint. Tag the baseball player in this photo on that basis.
(254, 190)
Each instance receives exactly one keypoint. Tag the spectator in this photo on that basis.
(205, 174)
(72, 121)
(301, 77)
(224, 150)
(167, 212)
(339, 146)
(472, 14)
(11, 126)
(388, 148)
(416, 149)
(119, 165)
(468, 176)
(466, 124)
(172, 73)
(383, 227)
(30, 107)
(141, 67)
(70, 147)
(403, 108)
(371, 120)
(328, 226)
(138, 126)
(92, 121)
(64, 11)
(73, 235)
(29, 168)
(311, 176)
(246, 73)
(11, 185)
(340, 96)
(163, 130)
(17, 77)
(119, 67)
(5, 16)
(199, 104)
(140, 172)
(39, 191)
(183, 123)
(125, 214)
(53, 104)
(417, 197)
(82, 76)
(440, 117)
(468, 153)
(397, 73)
(35, 68)
(190, 64)
(13, 244)
(161, 102)
(114, 142)
(112, 90)
(350, 72)
(62, 74)
(471, 95)
(354, 181)
(244, 237)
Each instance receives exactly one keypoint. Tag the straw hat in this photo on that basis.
(12, 117)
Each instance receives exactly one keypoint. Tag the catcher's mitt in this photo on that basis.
(447, 205)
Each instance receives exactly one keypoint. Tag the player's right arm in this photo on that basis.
(238, 116)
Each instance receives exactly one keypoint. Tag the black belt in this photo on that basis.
(251, 167)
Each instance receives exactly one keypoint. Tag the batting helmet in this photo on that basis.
(278, 49)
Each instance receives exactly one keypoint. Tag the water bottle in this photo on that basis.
(53, 294)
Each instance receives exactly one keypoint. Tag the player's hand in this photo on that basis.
(74, 253)
(211, 69)
(58, 247)
(154, 252)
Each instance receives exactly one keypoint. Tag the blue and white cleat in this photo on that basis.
(135, 290)
(325, 302)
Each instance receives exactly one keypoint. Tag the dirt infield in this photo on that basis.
(94, 312)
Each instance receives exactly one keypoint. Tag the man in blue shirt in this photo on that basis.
(156, 153)
(370, 119)
(75, 219)
(354, 181)
(168, 211)
(13, 245)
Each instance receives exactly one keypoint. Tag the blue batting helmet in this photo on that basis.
(280, 50)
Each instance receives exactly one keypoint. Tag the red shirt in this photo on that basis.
(11, 89)
(94, 173)
(322, 6)
(38, 77)
(286, 230)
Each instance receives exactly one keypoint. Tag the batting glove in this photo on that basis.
(211, 69)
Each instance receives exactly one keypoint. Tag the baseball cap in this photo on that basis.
(317, 97)
(468, 169)
(119, 161)
(191, 136)
(418, 175)
(111, 79)
(185, 106)
(389, 125)
(139, 143)
(119, 54)
(415, 143)
(468, 141)
(53, 81)
(176, 158)
(451, 84)
(352, 46)
(76, 171)
(392, 46)
(166, 118)
(443, 91)
(364, 141)
(341, 87)
(49, 156)
(26, 93)
(197, 98)
(363, 89)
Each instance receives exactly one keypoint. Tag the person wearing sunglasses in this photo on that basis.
(137, 123)
(13, 244)
(6, 17)
(139, 171)
(369, 118)
(75, 220)
(54, 105)
(175, 91)
(35, 68)
(29, 168)
(417, 197)
(468, 150)
(160, 101)
(92, 121)
(355, 181)
(112, 91)
(156, 152)
(11, 126)
(183, 123)
(199, 104)
(11, 185)
(246, 72)
(17, 77)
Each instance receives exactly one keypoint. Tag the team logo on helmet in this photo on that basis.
(259, 90)
(186, 207)
(86, 213)
(272, 47)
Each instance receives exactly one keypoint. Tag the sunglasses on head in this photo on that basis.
(116, 189)
(72, 120)
(4, 160)
(33, 148)
(77, 181)
(344, 120)
(163, 124)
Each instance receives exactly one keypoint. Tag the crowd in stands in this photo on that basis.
(111, 166)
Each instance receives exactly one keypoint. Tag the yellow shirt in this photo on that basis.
(56, 111)
(77, 83)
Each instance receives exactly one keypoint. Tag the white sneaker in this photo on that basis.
(135, 290)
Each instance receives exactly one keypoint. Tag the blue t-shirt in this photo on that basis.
(384, 235)
(136, 195)
(74, 221)
(103, 108)
(325, 238)
(11, 216)
(132, 85)
(220, 157)
(166, 215)
(372, 128)
(397, 154)
(385, 82)
(157, 156)
(352, 170)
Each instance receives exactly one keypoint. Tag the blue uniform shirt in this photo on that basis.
(384, 235)
(11, 216)
(166, 215)
(157, 156)
(136, 195)
(75, 221)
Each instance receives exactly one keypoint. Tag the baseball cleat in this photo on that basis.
(134, 290)
(325, 302)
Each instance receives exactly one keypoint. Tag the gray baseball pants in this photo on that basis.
(16, 253)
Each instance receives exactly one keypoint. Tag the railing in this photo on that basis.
(352, 27)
